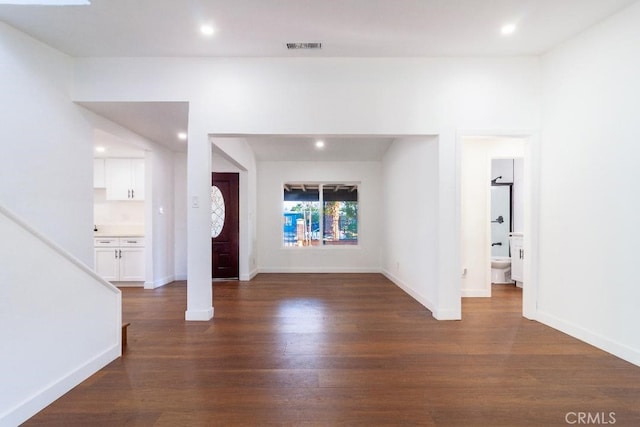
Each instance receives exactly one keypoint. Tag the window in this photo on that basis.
(320, 214)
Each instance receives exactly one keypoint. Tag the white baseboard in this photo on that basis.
(248, 277)
(438, 314)
(181, 277)
(447, 314)
(415, 295)
(622, 351)
(128, 284)
(159, 282)
(199, 315)
(319, 270)
(46, 396)
(475, 293)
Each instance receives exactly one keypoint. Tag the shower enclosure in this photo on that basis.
(501, 218)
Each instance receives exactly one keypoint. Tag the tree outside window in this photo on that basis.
(303, 223)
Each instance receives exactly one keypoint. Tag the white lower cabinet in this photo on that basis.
(107, 263)
(517, 258)
(131, 264)
(120, 259)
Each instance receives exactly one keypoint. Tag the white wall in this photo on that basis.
(393, 96)
(46, 157)
(180, 215)
(59, 322)
(46, 178)
(160, 213)
(590, 188)
(274, 257)
(410, 208)
(476, 208)
(331, 96)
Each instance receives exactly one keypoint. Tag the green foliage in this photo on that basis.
(349, 210)
(306, 207)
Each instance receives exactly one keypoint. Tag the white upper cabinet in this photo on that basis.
(137, 166)
(124, 179)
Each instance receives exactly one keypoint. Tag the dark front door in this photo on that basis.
(225, 229)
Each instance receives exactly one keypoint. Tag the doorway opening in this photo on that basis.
(225, 229)
(120, 211)
(506, 221)
(495, 206)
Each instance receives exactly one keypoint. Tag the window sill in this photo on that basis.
(321, 248)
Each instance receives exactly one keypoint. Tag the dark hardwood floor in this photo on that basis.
(344, 349)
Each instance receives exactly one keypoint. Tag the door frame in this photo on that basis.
(223, 161)
(236, 211)
(531, 213)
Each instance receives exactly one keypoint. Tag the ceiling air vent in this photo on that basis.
(313, 45)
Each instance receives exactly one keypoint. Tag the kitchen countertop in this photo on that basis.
(119, 230)
(99, 235)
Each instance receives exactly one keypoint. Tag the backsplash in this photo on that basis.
(117, 217)
(119, 230)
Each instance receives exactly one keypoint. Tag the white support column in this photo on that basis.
(449, 305)
(531, 227)
(199, 289)
(149, 278)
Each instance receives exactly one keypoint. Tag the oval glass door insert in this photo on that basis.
(217, 211)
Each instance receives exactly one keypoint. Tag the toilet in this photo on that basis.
(501, 269)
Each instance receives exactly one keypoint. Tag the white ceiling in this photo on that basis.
(259, 28)
(336, 148)
(351, 28)
(158, 121)
(114, 146)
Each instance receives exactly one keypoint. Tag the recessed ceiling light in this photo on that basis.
(319, 143)
(508, 29)
(182, 136)
(207, 30)
(100, 149)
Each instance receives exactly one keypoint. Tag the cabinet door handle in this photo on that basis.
(132, 194)
(116, 251)
(120, 253)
